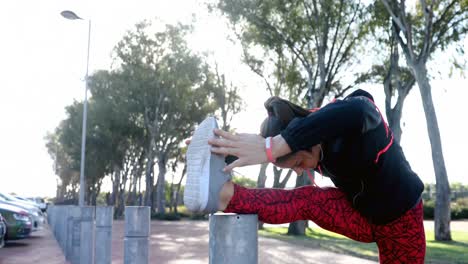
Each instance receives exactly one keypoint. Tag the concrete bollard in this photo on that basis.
(54, 222)
(57, 224)
(104, 217)
(72, 252)
(61, 227)
(137, 231)
(75, 249)
(64, 228)
(49, 215)
(233, 239)
(87, 235)
(69, 233)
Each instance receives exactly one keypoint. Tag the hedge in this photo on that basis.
(459, 209)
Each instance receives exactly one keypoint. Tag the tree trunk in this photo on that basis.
(276, 176)
(92, 196)
(115, 186)
(179, 184)
(262, 176)
(393, 82)
(119, 210)
(171, 194)
(442, 205)
(160, 191)
(394, 114)
(394, 120)
(261, 184)
(131, 197)
(60, 192)
(136, 175)
(148, 173)
(298, 228)
(96, 192)
(132, 191)
(140, 198)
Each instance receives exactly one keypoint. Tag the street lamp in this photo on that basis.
(72, 16)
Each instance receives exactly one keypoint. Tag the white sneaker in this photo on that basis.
(205, 176)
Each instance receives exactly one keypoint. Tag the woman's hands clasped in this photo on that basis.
(249, 148)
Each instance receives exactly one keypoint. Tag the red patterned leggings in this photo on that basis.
(401, 241)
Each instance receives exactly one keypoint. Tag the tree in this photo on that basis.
(67, 176)
(175, 191)
(139, 113)
(65, 148)
(161, 76)
(397, 80)
(322, 36)
(120, 135)
(227, 98)
(434, 26)
(313, 45)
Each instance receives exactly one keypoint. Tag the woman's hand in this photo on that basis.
(249, 148)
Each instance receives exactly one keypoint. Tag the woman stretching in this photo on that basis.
(377, 196)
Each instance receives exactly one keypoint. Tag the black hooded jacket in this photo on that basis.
(359, 156)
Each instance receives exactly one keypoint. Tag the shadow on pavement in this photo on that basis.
(14, 244)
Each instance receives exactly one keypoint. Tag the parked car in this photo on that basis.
(40, 202)
(18, 221)
(19, 200)
(3, 230)
(38, 217)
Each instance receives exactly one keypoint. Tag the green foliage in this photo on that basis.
(299, 47)
(457, 190)
(183, 212)
(430, 26)
(458, 206)
(140, 110)
(458, 209)
(101, 199)
(160, 75)
(428, 209)
(166, 87)
(436, 252)
(198, 216)
(166, 216)
(244, 181)
(226, 97)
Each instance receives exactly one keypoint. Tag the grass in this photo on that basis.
(455, 251)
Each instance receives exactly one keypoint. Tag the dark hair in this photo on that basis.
(360, 92)
(280, 113)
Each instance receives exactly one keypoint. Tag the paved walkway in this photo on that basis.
(187, 242)
(180, 242)
(40, 248)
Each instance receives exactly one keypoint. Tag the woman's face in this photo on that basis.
(301, 160)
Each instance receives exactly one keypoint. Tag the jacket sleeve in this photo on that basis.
(353, 115)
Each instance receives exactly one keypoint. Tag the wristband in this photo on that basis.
(268, 147)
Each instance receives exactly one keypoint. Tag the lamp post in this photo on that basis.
(81, 202)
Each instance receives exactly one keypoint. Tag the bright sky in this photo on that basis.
(43, 61)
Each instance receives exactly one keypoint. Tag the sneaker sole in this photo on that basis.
(198, 166)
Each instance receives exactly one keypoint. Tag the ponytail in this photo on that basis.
(280, 113)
